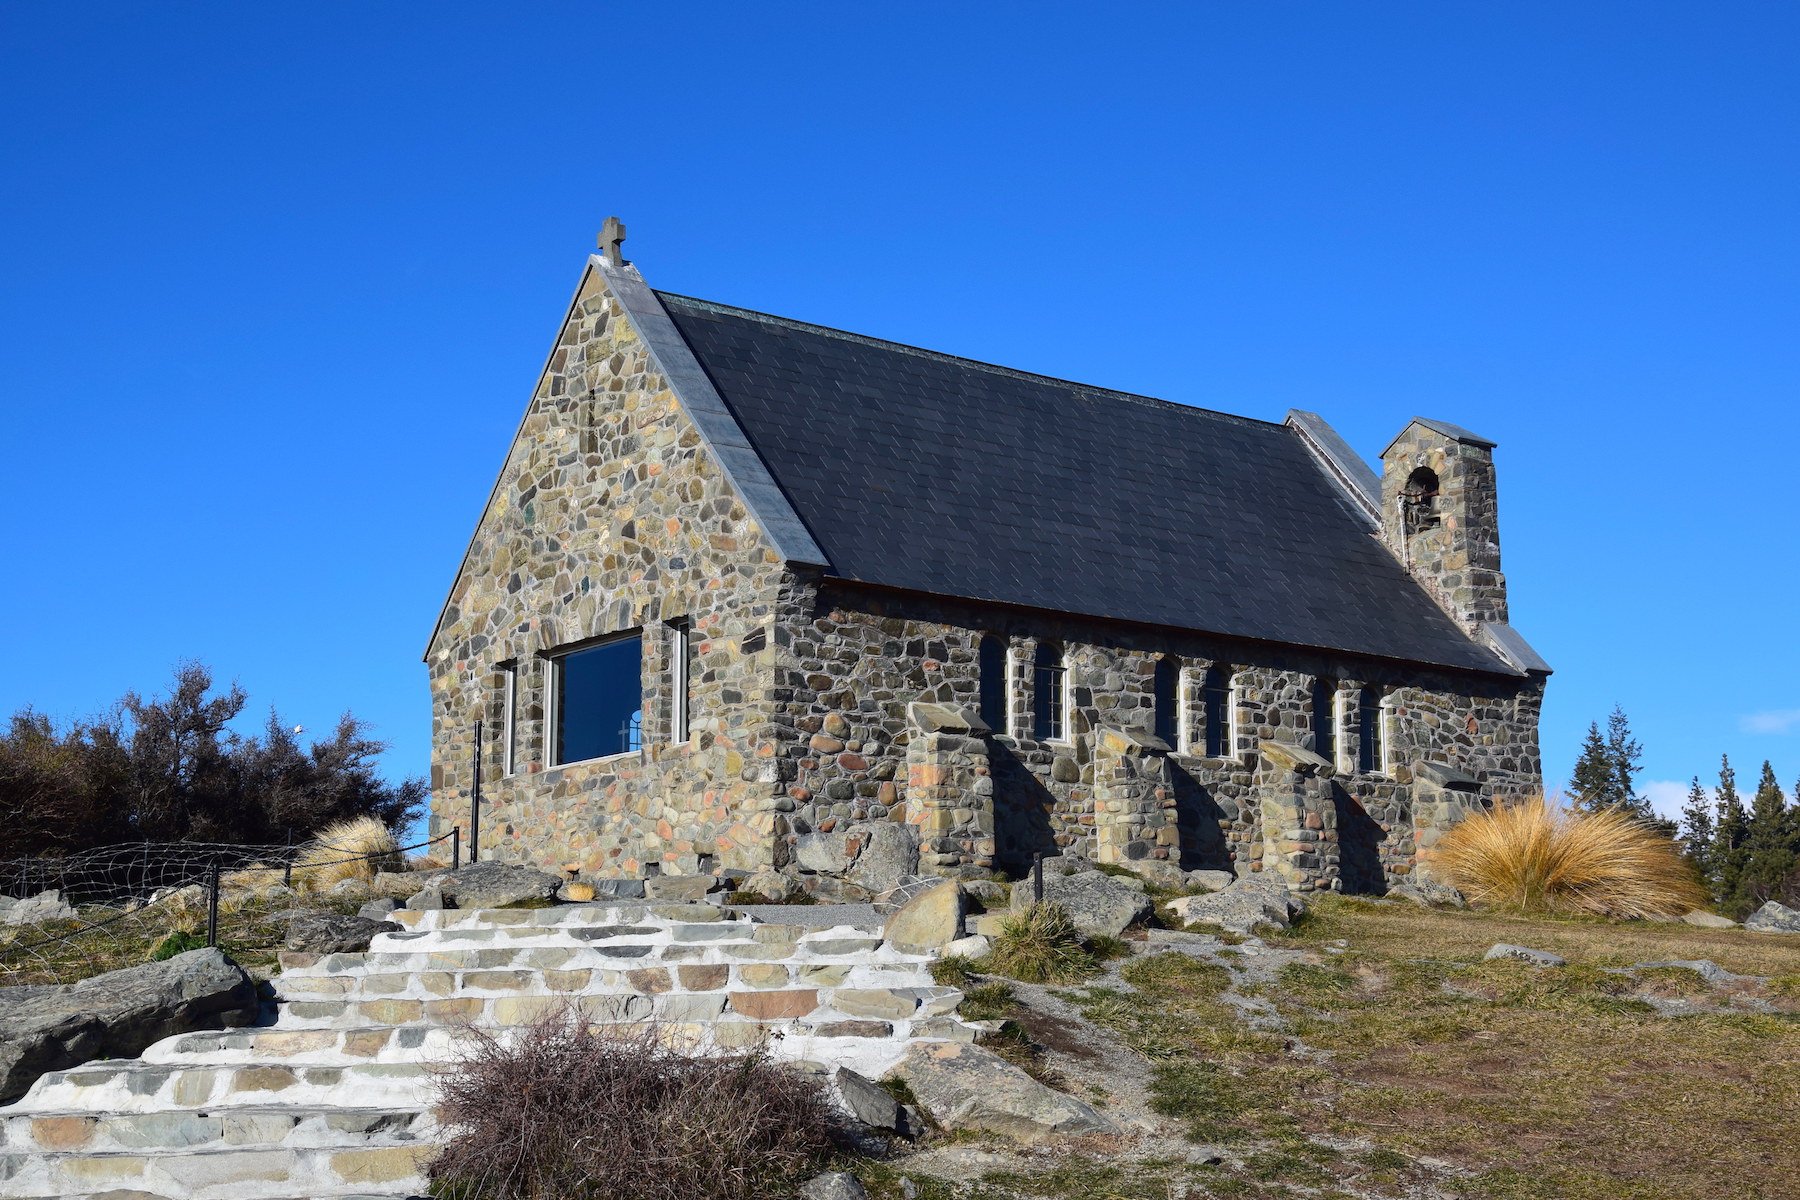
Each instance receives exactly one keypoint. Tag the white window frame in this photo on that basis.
(1390, 725)
(1344, 755)
(553, 668)
(1184, 710)
(1234, 721)
(509, 721)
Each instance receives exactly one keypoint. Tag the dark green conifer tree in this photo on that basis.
(1697, 831)
(1769, 849)
(1593, 784)
(1731, 825)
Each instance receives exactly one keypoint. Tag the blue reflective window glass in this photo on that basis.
(599, 700)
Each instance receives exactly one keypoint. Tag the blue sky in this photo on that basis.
(275, 284)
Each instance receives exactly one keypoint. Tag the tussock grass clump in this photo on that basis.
(1533, 857)
(1041, 945)
(569, 1111)
(353, 849)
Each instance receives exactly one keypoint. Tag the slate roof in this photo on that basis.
(923, 471)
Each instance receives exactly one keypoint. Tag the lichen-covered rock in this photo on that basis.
(1525, 954)
(970, 1087)
(882, 854)
(1098, 904)
(378, 910)
(833, 1185)
(1773, 918)
(1707, 920)
(334, 933)
(1249, 902)
(35, 910)
(1429, 892)
(116, 1015)
(492, 884)
(1212, 881)
(680, 888)
(931, 919)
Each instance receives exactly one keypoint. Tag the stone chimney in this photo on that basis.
(1440, 517)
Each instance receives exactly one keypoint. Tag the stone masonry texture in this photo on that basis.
(806, 691)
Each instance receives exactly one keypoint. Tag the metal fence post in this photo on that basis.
(475, 801)
(212, 905)
(1037, 876)
(455, 846)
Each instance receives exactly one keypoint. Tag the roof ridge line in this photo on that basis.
(945, 356)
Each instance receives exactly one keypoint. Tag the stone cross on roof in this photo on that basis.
(612, 234)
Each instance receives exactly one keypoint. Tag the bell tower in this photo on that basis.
(1440, 517)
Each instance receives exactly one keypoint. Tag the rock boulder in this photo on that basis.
(492, 884)
(1099, 904)
(931, 919)
(1525, 954)
(1707, 920)
(35, 910)
(970, 1087)
(53, 1027)
(1773, 918)
(334, 933)
(1247, 903)
(1429, 892)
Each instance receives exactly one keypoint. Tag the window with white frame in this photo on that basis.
(1340, 724)
(1049, 694)
(681, 679)
(509, 717)
(597, 699)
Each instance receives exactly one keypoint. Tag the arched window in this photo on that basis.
(1419, 502)
(1215, 694)
(1168, 701)
(991, 663)
(1049, 702)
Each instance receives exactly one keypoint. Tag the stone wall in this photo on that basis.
(854, 657)
(609, 516)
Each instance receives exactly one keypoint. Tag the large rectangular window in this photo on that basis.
(599, 704)
(1049, 701)
(991, 663)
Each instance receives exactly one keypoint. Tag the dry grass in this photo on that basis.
(1041, 945)
(1532, 857)
(353, 849)
(568, 1112)
(1556, 1084)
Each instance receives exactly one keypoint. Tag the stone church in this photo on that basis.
(744, 579)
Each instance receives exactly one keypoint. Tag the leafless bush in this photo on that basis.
(566, 1110)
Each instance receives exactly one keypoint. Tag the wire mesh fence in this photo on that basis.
(67, 918)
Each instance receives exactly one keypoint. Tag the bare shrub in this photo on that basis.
(1534, 857)
(566, 1110)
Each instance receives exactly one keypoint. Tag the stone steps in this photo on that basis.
(263, 1171)
(332, 1098)
(85, 1131)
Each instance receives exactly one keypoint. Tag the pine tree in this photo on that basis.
(1697, 831)
(1592, 785)
(1769, 849)
(1625, 755)
(1606, 773)
(1730, 827)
